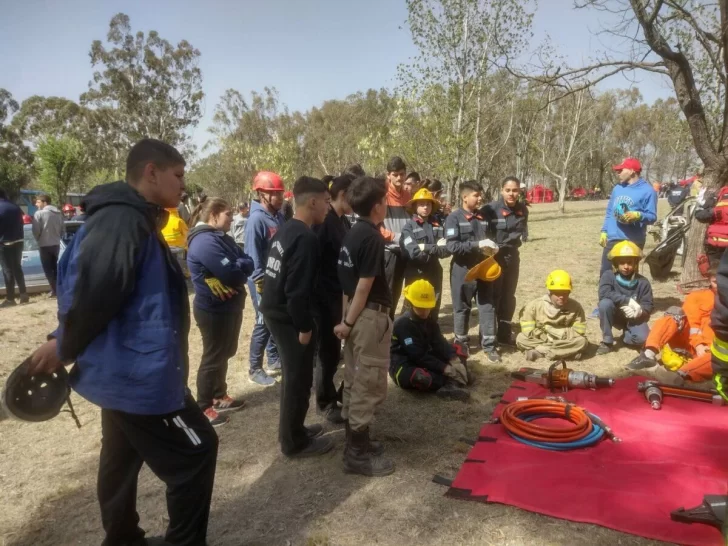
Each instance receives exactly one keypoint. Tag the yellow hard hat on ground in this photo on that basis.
(625, 249)
(488, 270)
(559, 280)
(421, 294)
(422, 195)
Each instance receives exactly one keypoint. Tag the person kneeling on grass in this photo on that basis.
(421, 357)
(625, 298)
(553, 325)
(681, 339)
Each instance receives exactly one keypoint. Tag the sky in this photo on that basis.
(310, 50)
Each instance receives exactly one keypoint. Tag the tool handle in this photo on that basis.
(604, 382)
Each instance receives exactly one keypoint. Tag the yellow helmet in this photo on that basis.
(625, 249)
(421, 294)
(488, 270)
(559, 280)
(423, 195)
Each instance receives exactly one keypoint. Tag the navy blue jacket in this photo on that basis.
(123, 312)
(212, 253)
(259, 230)
(609, 288)
(506, 225)
(11, 222)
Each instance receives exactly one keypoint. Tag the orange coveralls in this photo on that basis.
(697, 331)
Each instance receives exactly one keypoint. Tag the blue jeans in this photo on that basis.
(260, 338)
(635, 334)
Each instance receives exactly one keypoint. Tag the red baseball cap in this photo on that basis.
(630, 163)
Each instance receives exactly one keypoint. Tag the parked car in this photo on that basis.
(35, 279)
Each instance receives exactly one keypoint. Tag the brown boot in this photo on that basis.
(375, 447)
(359, 460)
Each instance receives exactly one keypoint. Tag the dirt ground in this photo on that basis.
(48, 470)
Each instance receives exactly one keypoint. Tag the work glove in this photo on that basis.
(631, 217)
(487, 243)
(258, 285)
(219, 290)
(459, 352)
(457, 371)
(421, 246)
(603, 239)
(442, 242)
(636, 306)
(628, 311)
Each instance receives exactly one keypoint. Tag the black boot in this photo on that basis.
(375, 447)
(359, 460)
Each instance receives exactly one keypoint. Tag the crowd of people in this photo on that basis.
(329, 275)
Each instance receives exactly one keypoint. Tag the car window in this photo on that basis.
(29, 242)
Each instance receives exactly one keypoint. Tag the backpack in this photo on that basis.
(717, 234)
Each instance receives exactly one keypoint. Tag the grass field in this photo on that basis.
(48, 470)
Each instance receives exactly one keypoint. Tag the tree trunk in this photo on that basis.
(562, 194)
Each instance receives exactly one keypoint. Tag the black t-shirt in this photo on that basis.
(362, 256)
(331, 236)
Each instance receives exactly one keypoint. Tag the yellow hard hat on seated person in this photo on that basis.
(625, 249)
(488, 270)
(559, 280)
(422, 195)
(421, 294)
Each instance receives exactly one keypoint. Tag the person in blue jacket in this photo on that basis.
(123, 318)
(632, 207)
(263, 223)
(219, 270)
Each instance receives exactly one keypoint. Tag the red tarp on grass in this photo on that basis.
(667, 459)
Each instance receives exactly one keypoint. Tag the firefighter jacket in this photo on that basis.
(417, 232)
(420, 343)
(505, 225)
(463, 231)
(719, 324)
(541, 319)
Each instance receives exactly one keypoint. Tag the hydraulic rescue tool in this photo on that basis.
(562, 378)
(655, 391)
(711, 512)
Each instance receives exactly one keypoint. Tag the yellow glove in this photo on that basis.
(603, 239)
(631, 217)
(259, 285)
(219, 290)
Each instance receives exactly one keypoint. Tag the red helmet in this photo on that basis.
(268, 182)
(68, 207)
(27, 219)
(288, 195)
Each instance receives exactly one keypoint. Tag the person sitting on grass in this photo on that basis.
(625, 299)
(421, 357)
(681, 339)
(553, 325)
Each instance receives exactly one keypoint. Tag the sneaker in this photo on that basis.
(259, 377)
(451, 391)
(333, 415)
(532, 355)
(24, 298)
(227, 403)
(314, 431)
(8, 303)
(493, 356)
(274, 368)
(641, 362)
(604, 348)
(216, 420)
(594, 314)
(317, 446)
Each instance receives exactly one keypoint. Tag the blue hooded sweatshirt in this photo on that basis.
(259, 230)
(639, 197)
(212, 253)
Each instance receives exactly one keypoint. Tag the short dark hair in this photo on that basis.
(43, 197)
(355, 170)
(434, 185)
(327, 179)
(396, 164)
(510, 179)
(339, 184)
(150, 150)
(415, 175)
(364, 193)
(469, 186)
(305, 186)
(243, 205)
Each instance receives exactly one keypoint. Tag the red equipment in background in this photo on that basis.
(540, 194)
(578, 193)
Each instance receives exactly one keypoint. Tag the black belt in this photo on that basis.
(377, 307)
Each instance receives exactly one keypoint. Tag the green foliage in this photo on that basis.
(16, 159)
(60, 163)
